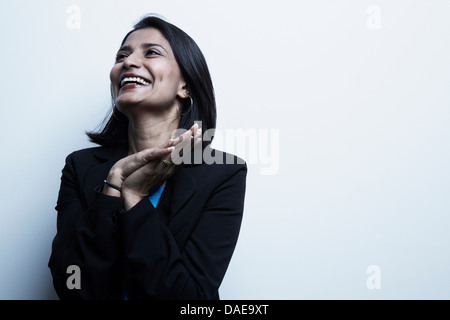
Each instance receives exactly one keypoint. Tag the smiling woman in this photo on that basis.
(152, 80)
(134, 224)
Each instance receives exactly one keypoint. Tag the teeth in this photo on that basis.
(134, 80)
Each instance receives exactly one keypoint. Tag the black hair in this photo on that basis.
(195, 72)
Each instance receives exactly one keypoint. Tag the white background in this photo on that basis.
(362, 116)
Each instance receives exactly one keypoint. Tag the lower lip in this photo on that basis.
(132, 86)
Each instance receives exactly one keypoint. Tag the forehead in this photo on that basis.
(147, 35)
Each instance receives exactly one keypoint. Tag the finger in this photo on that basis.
(137, 160)
(197, 138)
(167, 160)
(163, 175)
(176, 155)
(167, 144)
(197, 141)
(156, 169)
(185, 143)
(194, 129)
(186, 136)
(198, 134)
(161, 171)
(148, 155)
(165, 167)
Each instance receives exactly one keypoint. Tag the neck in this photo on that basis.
(151, 130)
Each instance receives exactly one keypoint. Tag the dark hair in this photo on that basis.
(195, 72)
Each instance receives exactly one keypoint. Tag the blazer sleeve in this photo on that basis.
(85, 238)
(160, 269)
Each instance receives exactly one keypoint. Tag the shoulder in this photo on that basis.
(83, 159)
(97, 152)
(222, 159)
(218, 165)
(84, 153)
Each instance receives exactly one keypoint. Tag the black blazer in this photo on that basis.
(179, 250)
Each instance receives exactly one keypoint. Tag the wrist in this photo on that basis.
(114, 177)
(112, 185)
(111, 189)
(130, 198)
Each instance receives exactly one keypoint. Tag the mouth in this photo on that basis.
(133, 82)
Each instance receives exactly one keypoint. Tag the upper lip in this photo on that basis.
(132, 75)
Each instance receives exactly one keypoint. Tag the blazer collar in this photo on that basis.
(183, 184)
(108, 153)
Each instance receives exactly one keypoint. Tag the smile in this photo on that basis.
(133, 80)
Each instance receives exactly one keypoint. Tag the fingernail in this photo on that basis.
(171, 148)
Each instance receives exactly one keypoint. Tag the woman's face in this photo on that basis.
(146, 73)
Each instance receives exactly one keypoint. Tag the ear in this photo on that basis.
(183, 91)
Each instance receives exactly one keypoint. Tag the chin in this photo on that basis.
(128, 101)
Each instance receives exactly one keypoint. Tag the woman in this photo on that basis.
(132, 223)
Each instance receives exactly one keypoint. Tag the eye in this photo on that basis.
(152, 52)
(121, 56)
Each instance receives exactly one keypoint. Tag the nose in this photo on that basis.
(132, 61)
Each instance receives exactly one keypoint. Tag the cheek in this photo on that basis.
(172, 82)
(114, 76)
(167, 72)
(175, 73)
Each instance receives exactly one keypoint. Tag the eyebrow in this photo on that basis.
(144, 46)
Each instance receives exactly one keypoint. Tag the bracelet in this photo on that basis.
(112, 186)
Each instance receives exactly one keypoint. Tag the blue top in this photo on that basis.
(154, 197)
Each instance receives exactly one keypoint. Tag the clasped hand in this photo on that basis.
(138, 173)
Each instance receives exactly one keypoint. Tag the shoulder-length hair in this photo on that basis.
(195, 72)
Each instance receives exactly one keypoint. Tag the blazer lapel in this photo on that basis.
(183, 186)
(183, 215)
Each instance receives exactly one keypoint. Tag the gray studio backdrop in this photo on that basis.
(340, 107)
